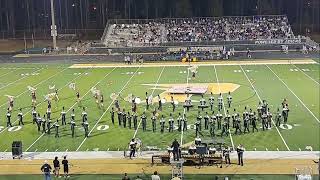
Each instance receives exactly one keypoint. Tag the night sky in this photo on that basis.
(34, 15)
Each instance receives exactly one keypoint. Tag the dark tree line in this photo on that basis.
(33, 15)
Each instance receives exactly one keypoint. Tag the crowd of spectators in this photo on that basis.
(200, 30)
(136, 34)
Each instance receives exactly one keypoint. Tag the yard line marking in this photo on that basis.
(36, 150)
(73, 106)
(154, 88)
(224, 108)
(107, 109)
(274, 124)
(43, 101)
(293, 94)
(46, 150)
(277, 149)
(306, 74)
(37, 84)
(56, 150)
(184, 109)
(8, 73)
(67, 150)
(6, 150)
(19, 79)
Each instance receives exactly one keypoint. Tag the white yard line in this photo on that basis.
(8, 73)
(224, 108)
(294, 94)
(184, 109)
(306, 74)
(107, 109)
(261, 102)
(37, 85)
(44, 101)
(155, 86)
(19, 79)
(72, 106)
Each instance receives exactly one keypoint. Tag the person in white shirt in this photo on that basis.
(155, 176)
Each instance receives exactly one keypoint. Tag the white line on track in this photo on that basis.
(19, 79)
(261, 101)
(107, 109)
(37, 84)
(8, 73)
(306, 74)
(154, 88)
(224, 108)
(72, 106)
(294, 94)
(44, 101)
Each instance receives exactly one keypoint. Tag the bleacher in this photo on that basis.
(161, 32)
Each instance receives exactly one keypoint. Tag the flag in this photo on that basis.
(113, 96)
(30, 88)
(52, 87)
(72, 86)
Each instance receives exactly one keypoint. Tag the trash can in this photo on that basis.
(16, 149)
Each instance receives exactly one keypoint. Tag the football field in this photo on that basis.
(248, 83)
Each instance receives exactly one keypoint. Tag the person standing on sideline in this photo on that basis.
(125, 177)
(155, 176)
(56, 165)
(132, 146)
(240, 150)
(46, 169)
(175, 145)
(65, 167)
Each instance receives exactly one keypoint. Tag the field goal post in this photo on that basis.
(304, 173)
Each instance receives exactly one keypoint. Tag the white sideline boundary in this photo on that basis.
(294, 94)
(224, 108)
(155, 86)
(72, 107)
(285, 143)
(184, 110)
(208, 63)
(83, 155)
(124, 86)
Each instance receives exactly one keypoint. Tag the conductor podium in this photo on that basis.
(16, 149)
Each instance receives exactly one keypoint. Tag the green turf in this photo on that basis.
(303, 103)
(145, 177)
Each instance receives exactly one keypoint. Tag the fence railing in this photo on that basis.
(46, 34)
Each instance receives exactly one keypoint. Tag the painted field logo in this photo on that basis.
(285, 126)
(179, 91)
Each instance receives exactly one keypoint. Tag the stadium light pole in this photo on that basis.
(53, 27)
